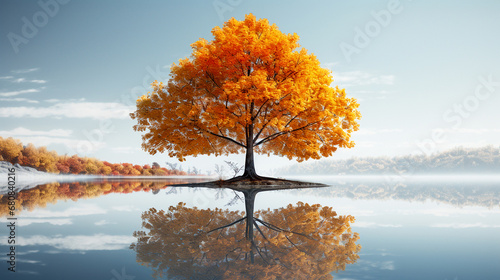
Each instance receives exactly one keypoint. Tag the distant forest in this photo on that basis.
(456, 161)
(13, 151)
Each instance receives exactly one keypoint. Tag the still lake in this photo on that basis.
(408, 228)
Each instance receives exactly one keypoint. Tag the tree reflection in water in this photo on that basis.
(295, 242)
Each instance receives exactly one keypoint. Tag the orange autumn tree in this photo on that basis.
(249, 89)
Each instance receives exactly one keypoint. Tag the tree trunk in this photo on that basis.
(249, 207)
(249, 160)
(250, 165)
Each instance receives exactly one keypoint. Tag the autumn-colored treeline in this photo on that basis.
(13, 151)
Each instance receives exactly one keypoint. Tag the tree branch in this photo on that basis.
(223, 137)
(296, 247)
(258, 112)
(277, 134)
(209, 75)
(258, 228)
(260, 131)
(258, 251)
(275, 228)
(235, 222)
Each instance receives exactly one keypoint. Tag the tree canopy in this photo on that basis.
(250, 88)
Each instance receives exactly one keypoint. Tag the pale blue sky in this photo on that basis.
(70, 72)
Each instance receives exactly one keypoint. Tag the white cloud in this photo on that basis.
(375, 225)
(467, 130)
(124, 150)
(93, 110)
(73, 145)
(21, 131)
(23, 80)
(29, 221)
(360, 212)
(371, 91)
(53, 100)
(6, 77)
(465, 225)
(28, 272)
(23, 71)
(18, 92)
(19, 100)
(103, 222)
(369, 94)
(53, 136)
(368, 131)
(80, 242)
(366, 144)
(359, 78)
(387, 265)
(31, 262)
(382, 265)
(125, 208)
(22, 261)
(28, 252)
(54, 222)
(330, 65)
(81, 210)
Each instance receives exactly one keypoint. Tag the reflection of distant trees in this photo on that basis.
(296, 242)
(458, 160)
(40, 196)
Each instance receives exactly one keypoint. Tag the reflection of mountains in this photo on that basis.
(40, 196)
(296, 242)
(455, 193)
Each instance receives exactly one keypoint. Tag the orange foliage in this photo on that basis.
(249, 88)
(40, 158)
(10, 149)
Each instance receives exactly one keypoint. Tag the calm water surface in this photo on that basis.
(381, 228)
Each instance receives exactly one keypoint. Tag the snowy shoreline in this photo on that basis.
(28, 177)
